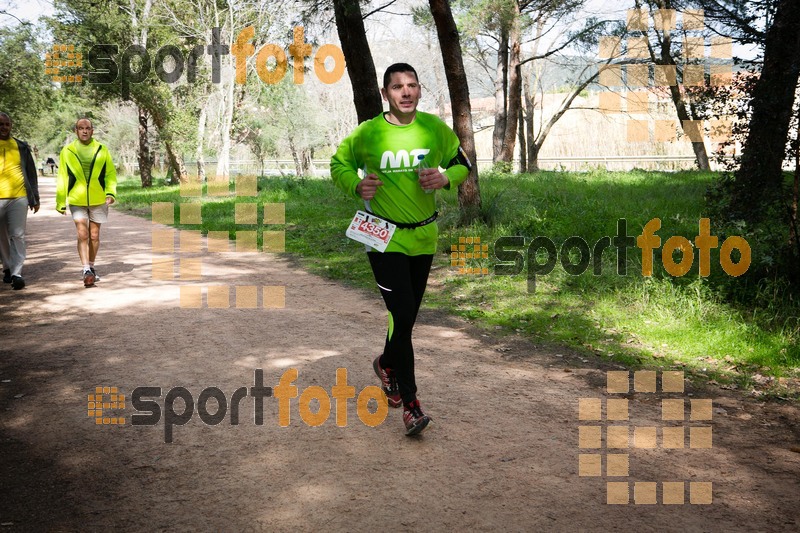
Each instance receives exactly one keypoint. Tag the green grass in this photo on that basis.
(642, 322)
(316, 217)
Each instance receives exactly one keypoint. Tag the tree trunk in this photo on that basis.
(514, 90)
(200, 152)
(794, 239)
(145, 168)
(296, 157)
(793, 249)
(224, 152)
(228, 101)
(360, 67)
(500, 86)
(528, 71)
(469, 194)
(145, 165)
(523, 163)
(175, 162)
(533, 155)
(759, 179)
(174, 159)
(440, 83)
(305, 162)
(698, 147)
(153, 160)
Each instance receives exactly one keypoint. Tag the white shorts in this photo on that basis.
(95, 213)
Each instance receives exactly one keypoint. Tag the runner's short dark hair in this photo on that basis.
(397, 67)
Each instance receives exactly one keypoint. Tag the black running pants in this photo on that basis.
(401, 279)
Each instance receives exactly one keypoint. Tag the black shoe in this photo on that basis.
(415, 420)
(88, 278)
(17, 282)
(6, 276)
(96, 277)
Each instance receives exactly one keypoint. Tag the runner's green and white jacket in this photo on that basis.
(391, 153)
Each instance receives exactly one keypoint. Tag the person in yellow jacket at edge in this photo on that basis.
(87, 183)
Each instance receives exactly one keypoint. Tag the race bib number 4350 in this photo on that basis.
(371, 230)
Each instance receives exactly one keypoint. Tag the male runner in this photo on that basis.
(389, 147)
(19, 191)
(87, 182)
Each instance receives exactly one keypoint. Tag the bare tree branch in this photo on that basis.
(563, 45)
(378, 9)
(6, 13)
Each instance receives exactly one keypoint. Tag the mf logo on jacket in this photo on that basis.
(402, 160)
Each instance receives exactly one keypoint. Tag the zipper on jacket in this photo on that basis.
(89, 177)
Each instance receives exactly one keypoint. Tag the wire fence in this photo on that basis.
(321, 167)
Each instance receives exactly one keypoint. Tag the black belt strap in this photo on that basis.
(409, 225)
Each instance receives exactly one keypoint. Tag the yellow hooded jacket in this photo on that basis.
(73, 187)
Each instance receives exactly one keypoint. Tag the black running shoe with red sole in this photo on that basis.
(388, 383)
(415, 420)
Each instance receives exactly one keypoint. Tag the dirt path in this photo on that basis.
(502, 454)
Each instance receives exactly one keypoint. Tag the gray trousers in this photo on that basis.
(13, 216)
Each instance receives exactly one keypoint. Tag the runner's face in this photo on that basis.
(403, 94)
(5, 128)
(84, 130)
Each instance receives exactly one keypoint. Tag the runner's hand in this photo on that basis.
(367, 187)
(431, 178)
(109, 200)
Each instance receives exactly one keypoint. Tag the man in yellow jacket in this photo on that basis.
(87, 183)
(19, 191)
